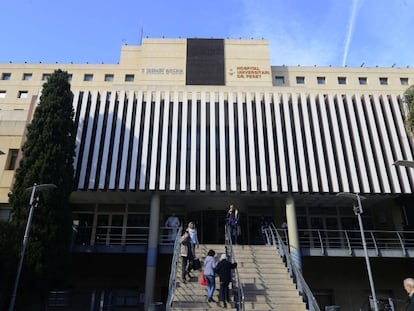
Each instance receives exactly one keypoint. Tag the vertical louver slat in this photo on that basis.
(75, 101)
(323, 174)
(81, 124)
(242, 149)
(336, 136)
(183, 160)
(154, 145)
(174, 141)
(203, 141)
(367, 145)
(222, 135)
(405, 145)
(97, 144)
(328, 144)
(270, 143)
(376, 144)
(107, 141)
(346, 134)
(127, 137)
(389, 159)
(309, 143)
(212, 142)
(300, 145)
(363, 175)
(290, 147)
(232, 143)
(164, 143)
(117, 139)
(145, 142)
(193, 159)
(87, 143)
(135, 144)
(280, 144)
(252, 145)
(394, 143)
(260, 143)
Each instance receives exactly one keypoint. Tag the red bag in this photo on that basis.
(203, 280)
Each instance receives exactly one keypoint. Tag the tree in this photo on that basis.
(409, 102)
(47, 158)
(8, 260)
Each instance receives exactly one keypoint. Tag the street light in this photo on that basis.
(406, 163)
(358, 211)
(32, 203)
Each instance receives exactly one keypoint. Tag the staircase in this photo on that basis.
(266, 283)
(191, 295)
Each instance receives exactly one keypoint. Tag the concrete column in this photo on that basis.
(152, 251)
(293, 231)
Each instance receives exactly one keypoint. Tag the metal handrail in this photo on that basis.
(239, 291)
(293, 270)
(376, 240)
(173, 273)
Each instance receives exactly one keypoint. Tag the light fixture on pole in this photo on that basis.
(358, 211)
(406, 163)
(32, 204)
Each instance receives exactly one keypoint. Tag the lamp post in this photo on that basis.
(32, 203)
(406, 163)
(358, 211)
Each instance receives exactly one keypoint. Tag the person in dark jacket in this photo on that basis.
(223, 269)
(186, 255)
(409, 288)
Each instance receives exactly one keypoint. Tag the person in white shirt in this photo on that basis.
(172, 223)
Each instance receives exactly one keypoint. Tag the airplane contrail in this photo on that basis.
(350, 30)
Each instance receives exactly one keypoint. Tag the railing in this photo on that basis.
(303, 288)
(118, 235)
(350, 240)
(173, 273)
(236, 284)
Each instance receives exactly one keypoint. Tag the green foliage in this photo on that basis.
(409, 101)
(47, 159)
(8, 260)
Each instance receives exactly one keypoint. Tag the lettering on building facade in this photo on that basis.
(249, 72)
(162, 71)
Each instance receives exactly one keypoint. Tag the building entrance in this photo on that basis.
(210, 225)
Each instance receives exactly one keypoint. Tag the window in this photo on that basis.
(45, 76)
(321, 80)
(300, 80)
(383, 80)
(362, 80)
(88, 77)
(129, 78)
(404, 81)
(23, 94)
(280, 80)
(6, 76)
(27, 76)
(109, 77)
(12, 159)
(2, 94)
(69, 77)
(341, 80)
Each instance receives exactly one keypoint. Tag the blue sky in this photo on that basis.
(318, 32)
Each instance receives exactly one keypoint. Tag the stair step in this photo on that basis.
(266, 282)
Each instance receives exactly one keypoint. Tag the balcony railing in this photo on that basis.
(313, 242)
(119, 239)
(348, 242)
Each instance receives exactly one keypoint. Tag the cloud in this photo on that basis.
(296, 34)
(350, 30)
